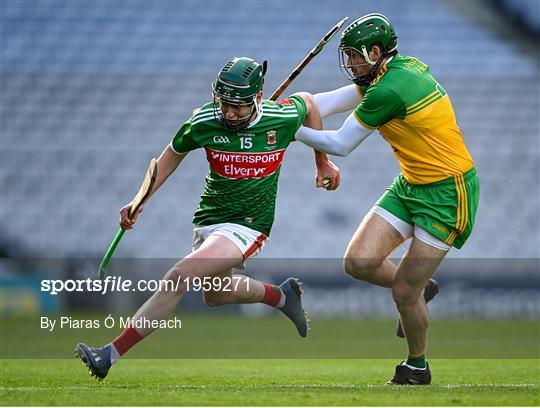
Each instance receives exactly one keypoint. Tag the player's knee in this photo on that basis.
(174, 280)
(404, 294)
(360, 267)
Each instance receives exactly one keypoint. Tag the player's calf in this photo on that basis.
(430, 291)
(285, 297)
(216, 299)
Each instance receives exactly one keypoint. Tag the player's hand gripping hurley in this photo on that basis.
(138, 201)
(317, 49)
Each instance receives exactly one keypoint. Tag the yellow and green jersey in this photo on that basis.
(241, 185)
(413, 113)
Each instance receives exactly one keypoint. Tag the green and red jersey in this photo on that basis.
(241, 185)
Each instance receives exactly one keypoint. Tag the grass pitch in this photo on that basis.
(267, 382)
(220, 359)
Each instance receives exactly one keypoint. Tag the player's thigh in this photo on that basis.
(249, 241)
(384, 228)
(215, 257)
(375, 238)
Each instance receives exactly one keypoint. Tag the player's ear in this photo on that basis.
(375, 53)
(259, 96)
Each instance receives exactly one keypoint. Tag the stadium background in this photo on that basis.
(92, 90)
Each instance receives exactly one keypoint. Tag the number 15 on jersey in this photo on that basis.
(246, 143)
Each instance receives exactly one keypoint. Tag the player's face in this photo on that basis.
(356, 62)
(238, 116)
(234, 113)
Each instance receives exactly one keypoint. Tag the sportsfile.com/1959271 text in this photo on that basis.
(119, 284)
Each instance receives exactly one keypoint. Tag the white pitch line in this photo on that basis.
(487, 385)
(286, 386)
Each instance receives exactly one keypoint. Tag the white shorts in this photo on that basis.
(249, 241)
(407, 230)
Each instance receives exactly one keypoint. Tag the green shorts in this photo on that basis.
(446, 208)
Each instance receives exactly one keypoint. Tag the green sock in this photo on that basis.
(418, 362)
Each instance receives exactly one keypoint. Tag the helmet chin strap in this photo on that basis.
(370, 76)
(365, 54)
(258, 107)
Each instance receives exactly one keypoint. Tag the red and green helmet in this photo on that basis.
(361, 35)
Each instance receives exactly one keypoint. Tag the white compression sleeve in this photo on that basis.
(339, 100)
(337, 142)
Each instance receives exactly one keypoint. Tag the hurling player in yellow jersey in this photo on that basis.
(434, 198)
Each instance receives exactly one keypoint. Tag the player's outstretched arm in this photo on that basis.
(343, 99)
(166, 165)
(328, 174)
(337, 142)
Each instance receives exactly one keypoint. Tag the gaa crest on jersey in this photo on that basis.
(271, 137)
(221, 139)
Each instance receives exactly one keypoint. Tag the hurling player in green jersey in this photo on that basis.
(434, 198)
(245, 138)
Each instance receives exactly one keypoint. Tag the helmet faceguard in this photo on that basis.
(222, 105)
(347, 68)
(236, 87)
(360, 36)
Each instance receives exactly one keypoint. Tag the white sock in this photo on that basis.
(115, 355)
(413, 367)
(282, 299)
